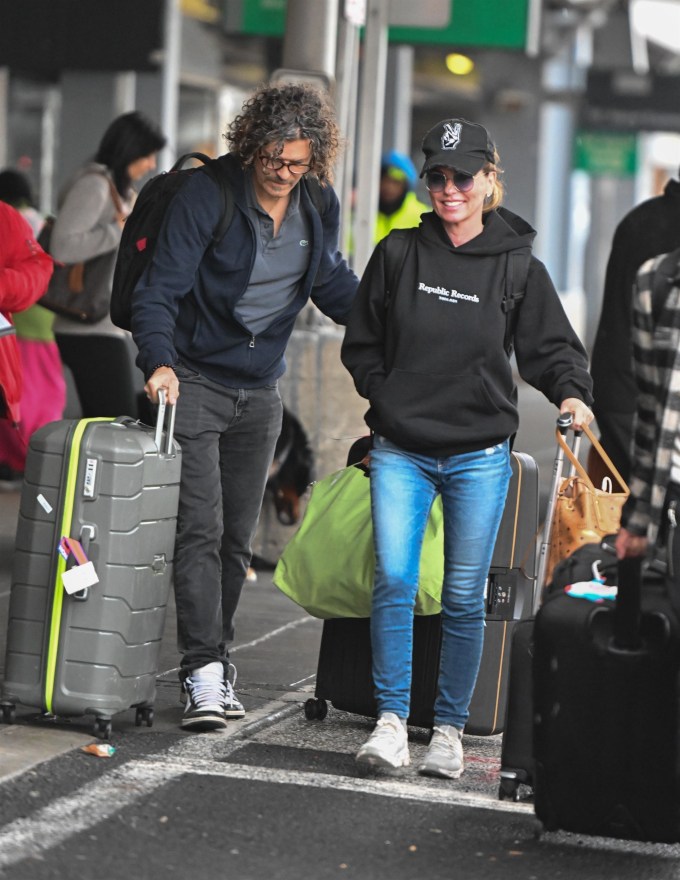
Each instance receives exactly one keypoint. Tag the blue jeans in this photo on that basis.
(228, 437)
(473, 486)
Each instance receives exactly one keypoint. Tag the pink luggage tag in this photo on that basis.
(82, 575)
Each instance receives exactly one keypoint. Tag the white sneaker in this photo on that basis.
(387, 746)
(445, 754)
(206, 695)
(233, 707)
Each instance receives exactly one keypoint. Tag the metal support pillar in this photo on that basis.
(556, 138)
(125, 93)
(310, 40)
(347, 84)
(49, 147)
(4, 113)
(172, 44)
(371, 114)
(398, 99)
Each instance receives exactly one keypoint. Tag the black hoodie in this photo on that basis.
(430, 357)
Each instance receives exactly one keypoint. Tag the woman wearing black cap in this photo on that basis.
(432, 358)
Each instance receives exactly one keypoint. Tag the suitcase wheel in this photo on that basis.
(8, 713)
(102, 728)
(508, 789)
(144, 716)
(315, 710)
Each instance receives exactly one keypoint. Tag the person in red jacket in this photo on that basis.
(25, 270)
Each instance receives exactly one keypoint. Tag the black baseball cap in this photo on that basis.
(457, 143)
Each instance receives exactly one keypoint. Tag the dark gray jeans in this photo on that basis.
(227, 437)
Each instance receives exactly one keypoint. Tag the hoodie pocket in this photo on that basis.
(434, 409)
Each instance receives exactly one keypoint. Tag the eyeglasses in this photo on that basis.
(435, 181)
(273, 163)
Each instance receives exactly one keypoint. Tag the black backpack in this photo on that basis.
(140, 232)
(141, 229)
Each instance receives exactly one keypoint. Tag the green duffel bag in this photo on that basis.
(328, 565)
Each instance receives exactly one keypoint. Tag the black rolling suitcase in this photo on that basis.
(607, 704)
(517, 764)
(344, 669)
(102, 493)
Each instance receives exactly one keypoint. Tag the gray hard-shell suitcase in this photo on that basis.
(112, 484)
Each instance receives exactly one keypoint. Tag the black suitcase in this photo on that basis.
(607, 704)
(344, 669)
(517, 764)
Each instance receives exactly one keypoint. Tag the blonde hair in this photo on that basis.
(496, 197)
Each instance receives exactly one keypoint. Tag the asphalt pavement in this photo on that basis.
(276, 795)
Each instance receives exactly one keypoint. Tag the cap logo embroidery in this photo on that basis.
(451, 135)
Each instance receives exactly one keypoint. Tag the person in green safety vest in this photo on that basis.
(399, 207)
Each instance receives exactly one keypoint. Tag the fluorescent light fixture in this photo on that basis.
(658, 21)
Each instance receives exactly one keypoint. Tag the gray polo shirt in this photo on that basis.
(280, 262)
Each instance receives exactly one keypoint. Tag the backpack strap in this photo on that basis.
(214, 169)
(398, 245)
(516, 276)
(315, 193)
(665, 276)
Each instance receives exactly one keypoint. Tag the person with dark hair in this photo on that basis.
(44, 390)
(90, 215)
(649, 229)
(212, 322)
(427, 346)
(398, 205)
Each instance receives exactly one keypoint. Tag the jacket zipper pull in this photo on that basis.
(251, 344)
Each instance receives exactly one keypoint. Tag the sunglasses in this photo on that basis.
(435, 181)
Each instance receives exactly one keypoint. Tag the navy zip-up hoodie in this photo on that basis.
(184, 306)
(431, 358)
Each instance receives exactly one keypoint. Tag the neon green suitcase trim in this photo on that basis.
(58, 590)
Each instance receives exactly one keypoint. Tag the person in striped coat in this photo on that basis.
(655, 476)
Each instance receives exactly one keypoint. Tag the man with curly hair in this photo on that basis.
(212, 321)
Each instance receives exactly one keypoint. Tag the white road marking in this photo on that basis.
(70, 815)
(275, 632)
(300, 681)
(293, 624)
(205, 755)
(96, 802)
(384, 787)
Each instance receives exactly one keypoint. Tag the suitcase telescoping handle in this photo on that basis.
(564, 422)
(628, 605)
(163, 406)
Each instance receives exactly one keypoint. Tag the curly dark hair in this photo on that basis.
(276, 114)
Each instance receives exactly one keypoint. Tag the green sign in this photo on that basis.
(602, 154)
(500, 24)
(265, 17)
(492, 23)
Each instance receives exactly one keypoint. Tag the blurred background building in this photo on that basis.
(581, 95)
